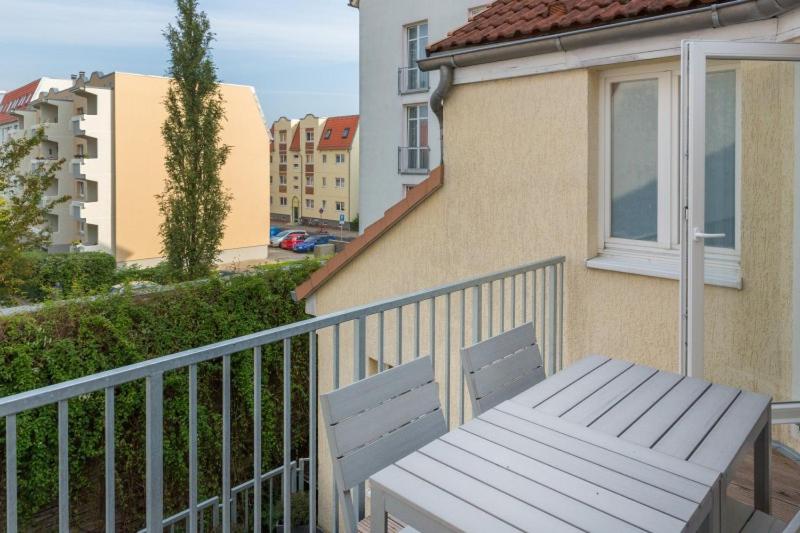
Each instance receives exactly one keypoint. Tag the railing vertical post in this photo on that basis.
(461, 382)
(560, 316)
(312, 432)
(477, 309)
(226, 443)
(155, 452)
(193, 525)
(400, 335)
(335, 369)
(490, 306)
(63, 466)
(432, 328)
(447, 360)
(524, 296)
(553, 318)
(380, 342)
(550, 362)
(416, 330)
(256, 440)
(513, 301)
(359, 373)
(110, 483)
(502, 305)
(287, 435)
(11, 473)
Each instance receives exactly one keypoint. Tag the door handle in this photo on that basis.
(700, 235)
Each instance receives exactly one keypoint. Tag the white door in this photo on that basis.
(740, 225)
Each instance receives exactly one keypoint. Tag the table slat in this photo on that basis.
(434, 501)
(654, 423)
(691, 428)
(629, 409)
(576, 392)
(521, 478)
(470, 490)
(609, 395)
(553, 384)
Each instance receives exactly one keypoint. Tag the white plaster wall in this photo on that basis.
(382, 45)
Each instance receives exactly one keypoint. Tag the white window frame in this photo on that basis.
(340, 183)
(309, 181)
(660, 258)
(340, 206)
(309, 136)
(283, 201)
(309, 203)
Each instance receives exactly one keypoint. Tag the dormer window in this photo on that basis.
(345, 133)
(328, 133)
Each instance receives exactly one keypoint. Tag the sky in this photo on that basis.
(300, 55)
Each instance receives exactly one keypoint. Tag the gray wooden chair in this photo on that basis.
(378, 421)
(761, 522)
(501, 367)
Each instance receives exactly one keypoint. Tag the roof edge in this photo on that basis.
(375, 231)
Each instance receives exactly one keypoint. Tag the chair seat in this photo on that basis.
(392, 526)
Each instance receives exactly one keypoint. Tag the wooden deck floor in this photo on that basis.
(785, 485)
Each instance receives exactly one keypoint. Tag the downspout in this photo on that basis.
(437, 102)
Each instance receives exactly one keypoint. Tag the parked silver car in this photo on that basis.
(278, 239)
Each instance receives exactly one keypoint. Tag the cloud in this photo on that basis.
(298, 29)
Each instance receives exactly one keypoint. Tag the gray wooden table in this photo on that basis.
(708, 424)
(536, 472)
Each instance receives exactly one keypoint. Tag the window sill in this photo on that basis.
(717, 272)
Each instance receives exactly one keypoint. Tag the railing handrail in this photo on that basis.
(51, 394)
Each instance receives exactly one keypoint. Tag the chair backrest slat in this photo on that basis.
(794, 525)
(378, 421)
(501, 367)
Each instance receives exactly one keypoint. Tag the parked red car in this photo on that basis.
(292, 240)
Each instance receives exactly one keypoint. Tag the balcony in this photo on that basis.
(309, 190)
(367, 339)
(412, 80)
(413, 159)
(86, 125)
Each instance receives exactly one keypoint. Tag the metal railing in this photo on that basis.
(456, 314)
(413, 159)
(412, 80)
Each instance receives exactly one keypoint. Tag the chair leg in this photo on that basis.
(377, 511)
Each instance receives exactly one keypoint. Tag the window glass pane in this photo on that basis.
(634, 159)
(721, 157)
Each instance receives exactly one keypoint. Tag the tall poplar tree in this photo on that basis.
(194, 203)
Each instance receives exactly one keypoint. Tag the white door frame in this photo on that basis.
(694, 57)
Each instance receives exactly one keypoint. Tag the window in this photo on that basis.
(309, 136)
(324, 158)
(282, 136)
(309, 159)
(324, 204)
(283, 159)
(340, 206)
(328, 133)
(416, 43)
(340, 183)
(324, 182)
(346, 133)
(416, 156)
(309, 203)
(339, 159)
(309, 181)
(639, 207)
(271, 198)
(282, 179)
(283, 201)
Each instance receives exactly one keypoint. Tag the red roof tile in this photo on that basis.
(375, 231)
(5, 118)
(508, 20)
(295, 147)
(333, 133)
(18, 97)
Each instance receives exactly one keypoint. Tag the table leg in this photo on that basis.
(762, 467)
(377, 522)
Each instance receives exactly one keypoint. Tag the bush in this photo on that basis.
(68, 275)
(72, 340)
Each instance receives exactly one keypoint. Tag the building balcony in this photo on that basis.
(413, 159)
(281, 188)
(412, 80)
(309, 190)
(376, 337)
(86, 125)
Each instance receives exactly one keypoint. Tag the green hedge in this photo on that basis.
(72, 340)
(68, 275)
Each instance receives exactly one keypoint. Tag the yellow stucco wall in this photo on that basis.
(523, 186)
(140, 174)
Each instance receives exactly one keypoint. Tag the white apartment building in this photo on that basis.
(399, 134)
(22, 96)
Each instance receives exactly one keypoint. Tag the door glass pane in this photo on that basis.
(634, 159)
(750, 332)
(721, 157)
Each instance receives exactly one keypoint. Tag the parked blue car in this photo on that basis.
(309, 244)
(274, 230)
